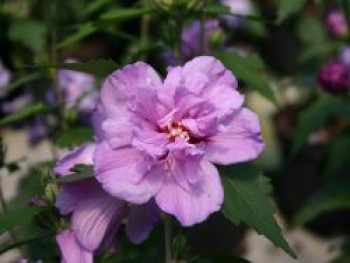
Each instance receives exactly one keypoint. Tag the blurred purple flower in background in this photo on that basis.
(192, 45)
(78, 90)
(97, 216)
(17, 103)
(344, 55)
(5, 77)
(238, 8)
(334, 77)
(336, 23)
(160, 139)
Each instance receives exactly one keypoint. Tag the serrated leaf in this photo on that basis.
(26, 112)
(97, 67)
(74, 137)
(18, 217)
(246, 200)
(333, 197)
(287, 8)
(244, 69)
(314, 117)
(29, 33)
(81, 172)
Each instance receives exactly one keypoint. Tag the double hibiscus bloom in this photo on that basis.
(155, 145)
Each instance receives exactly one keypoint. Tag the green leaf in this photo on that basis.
(23, 80)
(325, 49)
(95, 6)
(121, 14)
(222, 258)
(311, 30)
(314, 117)
(84, 31)
(338, 154)
(5, 248)
(217, 9)
(333, 197)
(74, 137)
(29, 33)
(98, 67)
(246, 200)
(287, 8)
(248, 70)
(81, 172)
(18, 217)
(26, 112)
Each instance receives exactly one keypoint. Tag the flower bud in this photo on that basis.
(336, 23)
(334, 77)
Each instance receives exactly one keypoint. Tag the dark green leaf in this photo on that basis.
(338, 154)
(244, 68)
(29, 33)
(23, 80)
(74, 137)
(81, 172)
(314, 117)
(287, 8)
(325, 49)
(26, 112)
(246, 200)
(98, 67)
(333, 197)
(95, 6)
(311, 30)
(18, 217)
(5, 248)
(120, 14)
(84, 31)
(217, 9)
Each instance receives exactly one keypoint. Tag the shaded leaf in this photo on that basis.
(74, 137)
(84, 31)
(314, 117)
(222, 258)
(23, 80)
(5, 248)
(26, 112)
(122, 14)
(18, 217)
(333, 197)
(338, 154)
(29, 33)
(311, 30)
(287, 8)
(246, 200)
(244, 68)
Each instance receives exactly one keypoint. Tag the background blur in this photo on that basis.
(305, 124)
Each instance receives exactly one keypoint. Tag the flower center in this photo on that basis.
(178, 129)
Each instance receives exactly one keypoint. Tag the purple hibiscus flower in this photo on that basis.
(238, 8)
(95, 215)
(336, 23)
(160, 139)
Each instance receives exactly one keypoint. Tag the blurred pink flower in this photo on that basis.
(160, 139)
(336, 23)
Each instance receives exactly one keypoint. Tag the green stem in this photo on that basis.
(167, 236)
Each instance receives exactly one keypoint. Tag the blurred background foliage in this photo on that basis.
(276, 52)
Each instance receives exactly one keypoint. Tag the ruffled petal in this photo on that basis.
(80, 155)
(239, 141)
(126, 173)
(194, 205)
(71, 251)
(141, 220)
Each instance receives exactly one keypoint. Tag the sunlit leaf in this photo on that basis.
(247, 200)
